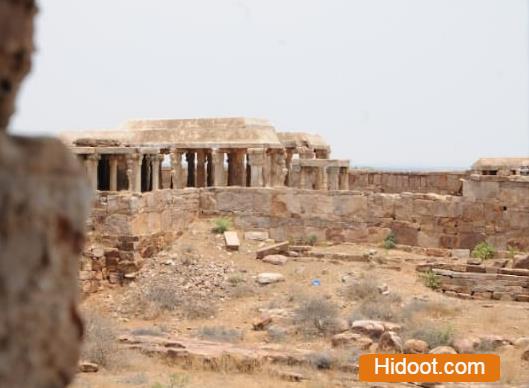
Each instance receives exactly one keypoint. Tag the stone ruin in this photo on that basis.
(149, 155)
(154, 177)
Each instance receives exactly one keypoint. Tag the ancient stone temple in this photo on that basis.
(148, 155)
(501, 166)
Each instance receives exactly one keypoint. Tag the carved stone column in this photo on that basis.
(344, 178)
(219, 177)
(91, 164)
(288, 161)
(279, 169)
(321, 180)
(333, 173)
(134, 171)
(156, 161)
(201, 168)
(113, 163)
(191, 178)
(236, 175)
(176, 170)
(256, 159)
(148, 176)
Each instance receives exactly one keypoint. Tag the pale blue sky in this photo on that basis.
(396, 83)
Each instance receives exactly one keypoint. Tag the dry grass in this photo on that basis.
(316, 315)
(361, 290)
(99, 344)
(434, 334)
(220, 334)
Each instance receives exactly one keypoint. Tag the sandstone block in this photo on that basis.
(275, 259)
(232, 240)
(272, 250)
(390, 342)
(443, 350)
(373, 329)
(521, 261)
(256, 235)
(269, 278)
(351, 339)
(415, 346)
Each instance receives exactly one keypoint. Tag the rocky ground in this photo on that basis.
(200, 315)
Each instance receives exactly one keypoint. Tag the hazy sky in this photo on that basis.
(395, 83)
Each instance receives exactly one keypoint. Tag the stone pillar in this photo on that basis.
(279, 170)
(219, 177)
(302, 177)
(191, 178)
(201, 168)
(113, 162)
(267, 169)
(148, 175)
(209, 169)
(236, 175)
(288, 162)
(134, 171)
(333, 173)
(156, 161)
(256, 159)
(176, 170)
(321, 179)
(91, 164)
(344, 178)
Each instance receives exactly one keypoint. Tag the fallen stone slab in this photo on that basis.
(269, 278)
(256, 235)
(232, 240)
(275, 259)
(272, 250)
(216, 356)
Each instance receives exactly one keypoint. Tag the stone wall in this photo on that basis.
(426, 220)
(126, 228)
(414, 182)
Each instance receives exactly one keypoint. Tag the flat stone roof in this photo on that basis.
(235, 132)
(499, 163)
(300, 139)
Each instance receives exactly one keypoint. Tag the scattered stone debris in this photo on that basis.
(256, 235)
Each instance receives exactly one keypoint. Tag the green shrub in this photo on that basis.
(433, 335)
(311, 239)
(483, 251)
(221, 225)
(390, 241)
(512, 251)
(431, 280)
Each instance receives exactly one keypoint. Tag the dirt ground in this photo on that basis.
(393, 270)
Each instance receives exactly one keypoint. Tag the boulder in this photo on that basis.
(351, 339)
(269, 278)
(415, 346)
(262, 323)
(390, 342)
(443, 350)
(275, 259)
(525, 354)
(88, 367)
(521, 261)
(521, 343)
(466, 345)
(373, 329)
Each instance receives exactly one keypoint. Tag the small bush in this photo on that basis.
(276, 334)
(431, 280)
(99, 344)
(311, 239)
(321, 360)
(512, 251)
(434, 335)
(433, 309)
(221, 225)
(390, 241)
(362, 290)
(175, 381)
(316, 313)
(483, 251)
(381, 307)
(220, 333)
